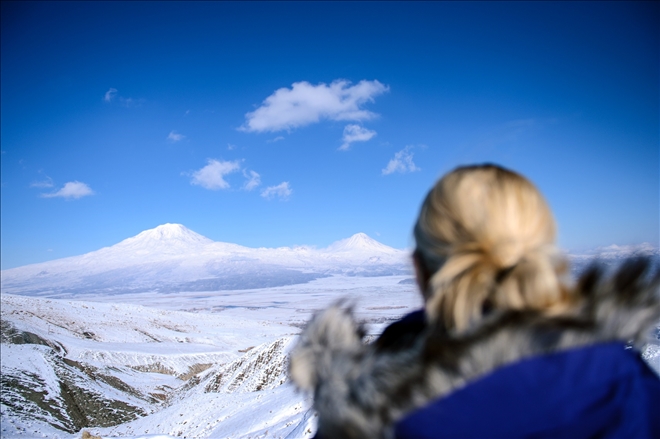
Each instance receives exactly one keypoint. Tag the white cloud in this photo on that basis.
(304, 103)
(110, 95)
(254, 180)
(72, 189)
(173, 136)
(276, 139)
(212, 175)
(402, 162)
(231, 147)
(282, 190)
(355, 133)
(48, 182)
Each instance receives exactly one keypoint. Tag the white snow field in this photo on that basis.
(169, 334)
(210, 365)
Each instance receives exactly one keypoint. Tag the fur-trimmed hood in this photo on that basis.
(362, 390)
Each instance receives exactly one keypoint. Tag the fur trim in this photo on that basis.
(330, 335)
(360, 391)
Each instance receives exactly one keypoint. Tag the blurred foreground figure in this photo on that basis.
(504, 347)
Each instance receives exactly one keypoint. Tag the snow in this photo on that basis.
(360, 242)
(612, 256)
(30, 358)
(171, 257)
(270, 413)
(167, 239)
(616, 253)
(217, 358)
(622, 251)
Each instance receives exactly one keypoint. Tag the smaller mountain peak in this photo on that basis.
(359, 242)
(361, 239)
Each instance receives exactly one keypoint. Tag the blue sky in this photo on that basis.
(273, 124)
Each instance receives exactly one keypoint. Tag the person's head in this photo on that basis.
(485, 240)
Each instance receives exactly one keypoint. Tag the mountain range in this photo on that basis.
(171, 258)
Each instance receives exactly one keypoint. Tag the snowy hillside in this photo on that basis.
(190, 365)
(611, 256)
(172, 258)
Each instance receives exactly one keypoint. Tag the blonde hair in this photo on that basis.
(485, 235)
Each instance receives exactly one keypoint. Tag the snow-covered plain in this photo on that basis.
(211, 365)
(168, 334)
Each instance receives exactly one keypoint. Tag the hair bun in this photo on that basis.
(505, 253)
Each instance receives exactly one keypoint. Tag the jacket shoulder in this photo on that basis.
(569, 393)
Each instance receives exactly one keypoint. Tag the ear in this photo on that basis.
(422, 274)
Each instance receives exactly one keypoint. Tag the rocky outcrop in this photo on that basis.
(261, 368)
(61, 392)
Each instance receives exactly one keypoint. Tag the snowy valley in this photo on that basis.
(170, 333)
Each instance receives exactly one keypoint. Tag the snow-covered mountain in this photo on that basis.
(360, 243)
(613, 255)
(171, 258)
(168, 239)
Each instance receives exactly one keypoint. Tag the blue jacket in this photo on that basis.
(599, 391)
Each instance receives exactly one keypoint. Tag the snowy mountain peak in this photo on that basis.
(173, 236)
(170, 231)
(359, 242)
